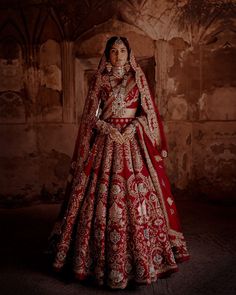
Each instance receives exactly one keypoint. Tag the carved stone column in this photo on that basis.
(68, 81)
(162, 61)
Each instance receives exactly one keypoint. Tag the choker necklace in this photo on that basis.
(118, 72)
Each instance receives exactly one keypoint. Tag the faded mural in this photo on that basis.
(48, 52)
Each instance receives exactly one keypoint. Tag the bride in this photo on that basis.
(118, 222)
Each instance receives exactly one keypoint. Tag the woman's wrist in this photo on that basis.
(103, 127)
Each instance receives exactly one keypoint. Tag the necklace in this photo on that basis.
(118, 91)
(118, 72)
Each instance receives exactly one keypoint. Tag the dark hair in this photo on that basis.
(111, 41)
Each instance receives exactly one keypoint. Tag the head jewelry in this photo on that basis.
(118, 41)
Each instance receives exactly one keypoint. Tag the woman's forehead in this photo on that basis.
(118, 46)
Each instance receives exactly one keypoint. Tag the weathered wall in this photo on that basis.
(48, 51)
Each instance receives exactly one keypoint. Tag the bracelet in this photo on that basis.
(103, 127)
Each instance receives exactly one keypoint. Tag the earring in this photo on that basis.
(127, 67)
(108, 66)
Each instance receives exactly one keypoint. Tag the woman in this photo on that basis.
(119, 222)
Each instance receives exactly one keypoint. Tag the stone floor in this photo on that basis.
(210, 231)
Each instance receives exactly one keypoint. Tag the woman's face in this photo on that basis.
(118, 54)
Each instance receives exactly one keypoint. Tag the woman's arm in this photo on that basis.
(141, 120)
(106, 128)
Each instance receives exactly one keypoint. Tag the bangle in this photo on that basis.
(103, 127)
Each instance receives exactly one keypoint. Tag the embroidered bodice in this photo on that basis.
(113, 106)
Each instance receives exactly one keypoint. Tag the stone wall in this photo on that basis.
(48, 52)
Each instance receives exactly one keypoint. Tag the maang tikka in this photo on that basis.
(118, 41)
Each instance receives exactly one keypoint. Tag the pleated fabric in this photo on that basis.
(114, 228)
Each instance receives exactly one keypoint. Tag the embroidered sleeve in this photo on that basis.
(103, 127)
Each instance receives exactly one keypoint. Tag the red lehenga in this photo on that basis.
(119, 221)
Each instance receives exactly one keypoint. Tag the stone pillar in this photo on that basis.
(84, 70)
(68, 81)
(162, 58)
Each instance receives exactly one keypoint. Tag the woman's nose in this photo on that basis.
(118, 54)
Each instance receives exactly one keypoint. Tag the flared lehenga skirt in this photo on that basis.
(114, 228)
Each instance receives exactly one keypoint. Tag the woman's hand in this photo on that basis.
(129, 132)
(106, 128)
(116, 135)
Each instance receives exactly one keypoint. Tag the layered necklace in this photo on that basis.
(118, 90)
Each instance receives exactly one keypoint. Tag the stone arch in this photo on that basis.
(12, 109)
(48, 28)
(10, 48)
(10, 28)
(90, 46)
(112, 26)
(11, 83)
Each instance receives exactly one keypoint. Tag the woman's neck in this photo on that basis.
(118, 72)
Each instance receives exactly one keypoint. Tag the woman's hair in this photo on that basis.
(111, 41)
